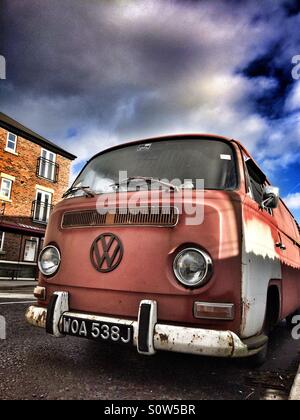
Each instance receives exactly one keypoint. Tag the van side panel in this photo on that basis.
(290, 260)
(260, 265)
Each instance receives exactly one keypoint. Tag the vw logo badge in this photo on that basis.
(106, 253)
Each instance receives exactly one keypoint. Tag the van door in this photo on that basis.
(288, 248)
(261, 258)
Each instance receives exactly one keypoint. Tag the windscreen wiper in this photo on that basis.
(148, 180)
(87, 190)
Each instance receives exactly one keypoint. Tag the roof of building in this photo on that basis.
(20, 130)
(22, 229)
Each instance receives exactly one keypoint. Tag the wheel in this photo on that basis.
(260, 358)
(289, 319)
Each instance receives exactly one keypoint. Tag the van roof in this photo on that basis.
(183, 136)
(165, 137)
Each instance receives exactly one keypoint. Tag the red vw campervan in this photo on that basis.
(206, 260)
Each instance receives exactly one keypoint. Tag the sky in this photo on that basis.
(95, 73)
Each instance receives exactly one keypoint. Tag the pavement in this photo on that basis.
(16, 285)
(295, 392)
(36, 366)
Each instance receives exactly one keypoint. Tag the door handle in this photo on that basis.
(281, 246)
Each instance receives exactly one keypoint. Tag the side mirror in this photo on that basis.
(270, 197)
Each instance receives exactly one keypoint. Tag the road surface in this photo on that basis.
(36, 366)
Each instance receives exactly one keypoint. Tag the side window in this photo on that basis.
(257, 181)
(31, 249)
(5, 188)
(47, 165)
(42, 207)
(256, 187)
(11, 143)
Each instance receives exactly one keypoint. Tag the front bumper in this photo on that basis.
(149, 335)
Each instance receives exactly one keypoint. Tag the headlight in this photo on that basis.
(49, 260)
(193, 267)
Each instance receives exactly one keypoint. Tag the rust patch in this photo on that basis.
(41, 318)
(164, 338)
(36, 318)
(246, 306)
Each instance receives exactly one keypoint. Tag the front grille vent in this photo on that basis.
(144, 216)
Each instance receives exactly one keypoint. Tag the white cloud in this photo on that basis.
(131, 70)
(293, 100)
(87, 144)
(282, 162)
(293, 201)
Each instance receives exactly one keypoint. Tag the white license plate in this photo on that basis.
(99, 331)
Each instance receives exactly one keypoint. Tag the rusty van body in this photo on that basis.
(157, 282)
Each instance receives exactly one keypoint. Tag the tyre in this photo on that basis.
(271, 320)
(260, 358)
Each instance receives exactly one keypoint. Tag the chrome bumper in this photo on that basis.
(158, 337)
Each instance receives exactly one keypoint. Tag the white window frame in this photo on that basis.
(9, 149)
(40, 211)
(47, 164)
(2, 239)
(2, 196)
(36, 241)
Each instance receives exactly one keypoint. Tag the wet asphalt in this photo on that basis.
(36, 366)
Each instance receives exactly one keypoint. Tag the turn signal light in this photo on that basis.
(218, 311)
(40, 293)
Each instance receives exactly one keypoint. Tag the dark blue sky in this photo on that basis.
(91, 74)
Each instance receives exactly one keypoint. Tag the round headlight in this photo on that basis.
(192, 267)
(49, 260)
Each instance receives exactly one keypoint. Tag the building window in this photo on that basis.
(2, 237)
(42, 207)
(11, 145)
(5, 188)
(31, 250)
(47, 166)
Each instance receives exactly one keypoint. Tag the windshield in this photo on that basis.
(184, 160)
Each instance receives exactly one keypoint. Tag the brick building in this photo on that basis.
(34, 173)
